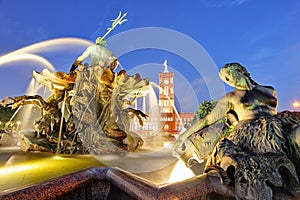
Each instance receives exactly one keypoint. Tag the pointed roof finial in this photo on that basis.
(166, 67)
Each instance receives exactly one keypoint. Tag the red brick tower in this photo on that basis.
(166, 99)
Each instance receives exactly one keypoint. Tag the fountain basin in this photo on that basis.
(113, 183)
(84, 177)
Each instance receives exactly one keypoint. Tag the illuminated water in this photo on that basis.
(33, 54)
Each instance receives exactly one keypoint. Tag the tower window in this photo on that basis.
(166, 90)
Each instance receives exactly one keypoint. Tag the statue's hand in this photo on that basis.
(139, 114)
(196, 145)
(16, 104)
(187, 152)
(75, 65)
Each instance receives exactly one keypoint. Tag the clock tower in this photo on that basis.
(170, 122)
(166, 93)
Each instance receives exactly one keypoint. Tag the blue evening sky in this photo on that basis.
(262, 35)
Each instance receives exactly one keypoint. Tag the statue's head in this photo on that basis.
(100, 41)
(236, 75)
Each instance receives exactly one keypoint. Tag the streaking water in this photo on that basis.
(33, 53)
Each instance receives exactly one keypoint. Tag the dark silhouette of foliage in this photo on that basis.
(204, 108)
(5, 114)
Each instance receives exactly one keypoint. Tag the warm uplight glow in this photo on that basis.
(180, 172)
(38, 165)
(30, 165)
(296, 105)
(13, 169)
(24, 170)
(58, 157)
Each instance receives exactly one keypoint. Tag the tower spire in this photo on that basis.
(166, 67)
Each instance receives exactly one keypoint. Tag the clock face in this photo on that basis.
(166, 81)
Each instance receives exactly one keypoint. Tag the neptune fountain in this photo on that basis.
(243, 149)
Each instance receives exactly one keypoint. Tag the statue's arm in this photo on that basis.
(26, 100)
(85, 54)
(268, 95)
(220, 111)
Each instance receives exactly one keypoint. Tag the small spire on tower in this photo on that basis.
(166, 67)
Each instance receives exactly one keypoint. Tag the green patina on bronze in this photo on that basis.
(257, 150)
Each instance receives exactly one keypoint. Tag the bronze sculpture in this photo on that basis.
(88, 111)
(261, 153)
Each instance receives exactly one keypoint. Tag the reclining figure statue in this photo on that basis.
(260, 154)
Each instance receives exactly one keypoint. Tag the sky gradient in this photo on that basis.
(264, 36)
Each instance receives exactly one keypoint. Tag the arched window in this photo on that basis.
(166, 127)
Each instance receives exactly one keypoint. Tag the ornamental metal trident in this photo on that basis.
(119, 20)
